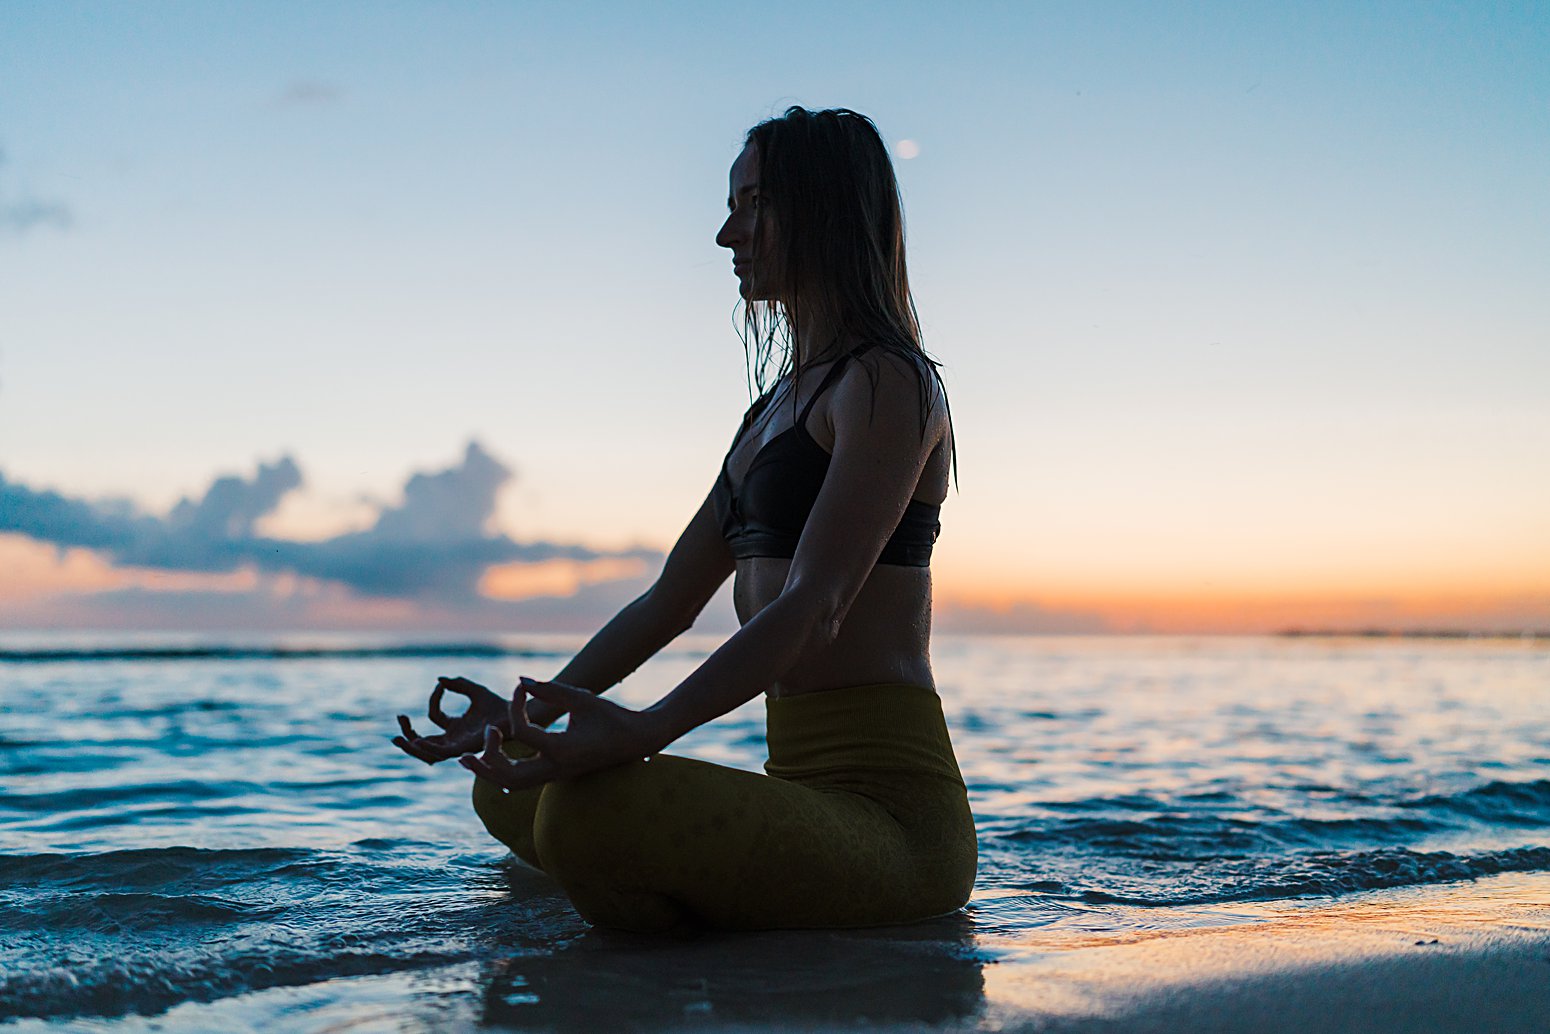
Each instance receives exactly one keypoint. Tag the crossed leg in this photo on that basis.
(672, 842)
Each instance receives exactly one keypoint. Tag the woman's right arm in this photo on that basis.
(695, 568)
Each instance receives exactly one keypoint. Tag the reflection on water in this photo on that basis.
(929, 973)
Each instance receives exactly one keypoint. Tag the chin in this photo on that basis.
(750, 294)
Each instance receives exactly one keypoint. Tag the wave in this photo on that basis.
(120, 911)
(1320, 874)
(1132, 850)
(1139, 826)
(1207, 837)
(142, 867)
(1512, 803)
(116, 987)
(138, 931)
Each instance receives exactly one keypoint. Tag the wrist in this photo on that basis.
(661, 727)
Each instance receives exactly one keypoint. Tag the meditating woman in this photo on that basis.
(825, 511)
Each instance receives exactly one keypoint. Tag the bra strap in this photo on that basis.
(828, 379)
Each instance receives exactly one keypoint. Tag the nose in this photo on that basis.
(731, 234)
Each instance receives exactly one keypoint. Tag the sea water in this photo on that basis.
(208, 825)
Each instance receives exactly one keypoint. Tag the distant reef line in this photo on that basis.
(1410, 633)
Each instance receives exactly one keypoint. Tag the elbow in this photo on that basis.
(827, 631)
(675, 616)
(820, 617)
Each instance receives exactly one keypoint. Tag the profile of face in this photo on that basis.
(749, 231)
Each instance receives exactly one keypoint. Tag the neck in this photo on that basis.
(818, 341)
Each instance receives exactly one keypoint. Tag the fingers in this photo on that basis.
(522, 730)
(428, 749)
(434, 711)
(494, 766)
(516, 709)
(417, 749)
(459, 685)
(544, 714)
(570, 697)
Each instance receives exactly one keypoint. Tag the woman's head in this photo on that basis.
(816, 232)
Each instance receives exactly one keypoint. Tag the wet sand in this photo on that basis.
(1472, 957)
(1467, 957)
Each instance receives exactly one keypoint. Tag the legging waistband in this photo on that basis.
(884, 726)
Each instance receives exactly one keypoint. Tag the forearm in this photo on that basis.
(634, 635)
(781, 635)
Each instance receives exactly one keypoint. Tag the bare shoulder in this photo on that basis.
(890, 393)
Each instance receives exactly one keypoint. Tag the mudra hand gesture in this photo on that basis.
(465, 732)
(601, 734)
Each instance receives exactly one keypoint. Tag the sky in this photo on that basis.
(410, 316)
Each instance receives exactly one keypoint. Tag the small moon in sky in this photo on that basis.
(906, 149)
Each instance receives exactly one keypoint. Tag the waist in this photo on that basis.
(886, 635)
(881, 727)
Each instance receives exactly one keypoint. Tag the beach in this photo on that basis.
(1472, 957)
(1175, 834)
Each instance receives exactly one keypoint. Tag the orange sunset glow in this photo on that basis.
(39, 585)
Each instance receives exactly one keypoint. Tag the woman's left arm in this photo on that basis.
(878, 458)
(879, 454)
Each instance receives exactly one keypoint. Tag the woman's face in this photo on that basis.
(749, 231)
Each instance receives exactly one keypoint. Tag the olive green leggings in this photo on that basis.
(862, 820)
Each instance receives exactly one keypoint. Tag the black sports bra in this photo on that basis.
(765, 515)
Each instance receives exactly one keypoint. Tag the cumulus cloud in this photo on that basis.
(454, 503)
(433, 546)
(50, 517)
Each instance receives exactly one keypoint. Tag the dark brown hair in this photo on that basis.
(827, 183)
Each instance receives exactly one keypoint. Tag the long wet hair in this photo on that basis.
(827, 183)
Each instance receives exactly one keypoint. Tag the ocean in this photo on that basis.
(216, 834)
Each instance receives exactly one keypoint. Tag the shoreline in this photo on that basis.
(1466, 957)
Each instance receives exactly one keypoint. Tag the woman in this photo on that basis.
(825, 509)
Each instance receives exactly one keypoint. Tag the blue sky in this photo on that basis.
(1231, 298)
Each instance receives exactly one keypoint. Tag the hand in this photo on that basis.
(600, 735)
(460, 734)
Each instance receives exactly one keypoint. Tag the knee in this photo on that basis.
(589, 834)
(582, 825)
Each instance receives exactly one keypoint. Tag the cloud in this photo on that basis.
(435, 545)
(453, 503)
(308, 91)
(231, 505)
(19, 216)
(314, 606)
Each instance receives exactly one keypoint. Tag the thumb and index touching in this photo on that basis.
(570, 698)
